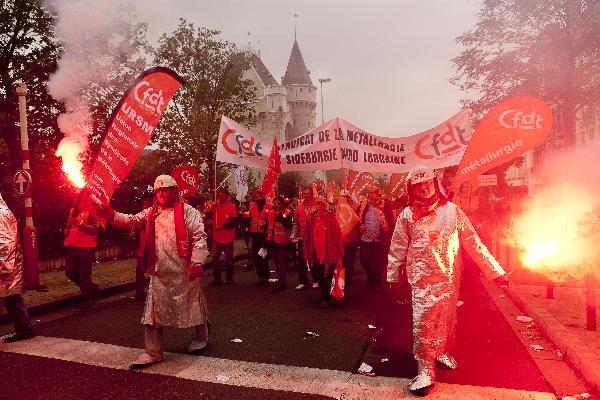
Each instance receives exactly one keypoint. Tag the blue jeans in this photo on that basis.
(15, 306)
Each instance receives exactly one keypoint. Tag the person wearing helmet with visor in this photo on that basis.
(425, 243)
(174, 253)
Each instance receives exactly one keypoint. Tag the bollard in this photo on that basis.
(550, 290)
(590, 300)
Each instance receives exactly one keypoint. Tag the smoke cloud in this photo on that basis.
(562, 219)
(95, 37)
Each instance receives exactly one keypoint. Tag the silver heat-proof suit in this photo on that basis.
(428, 248)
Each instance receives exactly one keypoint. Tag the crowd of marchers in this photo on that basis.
(412, 244)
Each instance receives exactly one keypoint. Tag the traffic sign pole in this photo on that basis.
(31, 275)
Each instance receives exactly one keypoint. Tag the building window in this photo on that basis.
(309, 124)
(300, 90)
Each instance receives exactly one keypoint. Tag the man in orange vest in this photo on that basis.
(280, 229)
(306, 206)
(258, 214)
(376, 228)
(225, 219)
(81, 239)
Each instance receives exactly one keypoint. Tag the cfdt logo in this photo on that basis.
(235, 143)
(512, 119)
(189, 178)
(440, 144)
(148, 97)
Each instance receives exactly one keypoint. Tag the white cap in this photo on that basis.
(164, 181)
(421, 174)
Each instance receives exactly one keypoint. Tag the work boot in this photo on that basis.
(422, 383)
(17, 336)
(201, 340)
(446, 361)
(145, 360)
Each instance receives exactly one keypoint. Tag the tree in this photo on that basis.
(27, 54)
(214, 87)
(549, 49)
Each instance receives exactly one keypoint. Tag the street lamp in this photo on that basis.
(322, 81)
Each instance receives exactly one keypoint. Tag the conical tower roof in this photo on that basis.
(296, 72)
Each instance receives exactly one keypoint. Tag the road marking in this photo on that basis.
(337, 384)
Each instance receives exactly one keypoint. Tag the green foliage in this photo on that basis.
(214, 87)
(549, 49)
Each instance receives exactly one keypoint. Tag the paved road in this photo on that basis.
(272, 328)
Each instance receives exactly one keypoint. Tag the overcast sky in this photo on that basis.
(389, 61)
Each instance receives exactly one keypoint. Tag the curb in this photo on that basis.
(574, 351)
(73, 300)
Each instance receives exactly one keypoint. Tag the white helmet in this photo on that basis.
(164, 181)
(420, 174)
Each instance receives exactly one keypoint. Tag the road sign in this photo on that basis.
(187, 178)
(22, 182)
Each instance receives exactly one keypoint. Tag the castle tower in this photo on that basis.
(301, 95)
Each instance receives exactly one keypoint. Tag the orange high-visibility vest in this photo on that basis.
(301, 215)
(258, 220)
(277, 231)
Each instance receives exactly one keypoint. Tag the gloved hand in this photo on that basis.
(502, 281)
(106, 212)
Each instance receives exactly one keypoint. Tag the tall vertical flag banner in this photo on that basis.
(130, 128)
(241, 182)
(507, 131)
(273, 168)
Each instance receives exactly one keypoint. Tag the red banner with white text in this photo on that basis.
(130, 128)
(507, 131)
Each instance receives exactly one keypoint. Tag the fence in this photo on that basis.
(55, 260)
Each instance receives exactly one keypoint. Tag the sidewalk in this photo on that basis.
(112, 277)
(563, 321)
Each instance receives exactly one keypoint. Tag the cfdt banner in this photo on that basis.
(507, 131)
(130, 128)
(237, 145)
(339, 144)
(441, 146)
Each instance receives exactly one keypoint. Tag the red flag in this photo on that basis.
(346, 216)
(507, 131)
(273, 168)
(130, 128)
(397, 182)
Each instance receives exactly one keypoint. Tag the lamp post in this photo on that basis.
(31, 269)
(322, 81)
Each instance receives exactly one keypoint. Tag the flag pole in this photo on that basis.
(215, 183)
(228, 176)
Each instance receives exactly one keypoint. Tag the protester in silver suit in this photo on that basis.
(11, 276)
(426, 244)
(175, 252)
